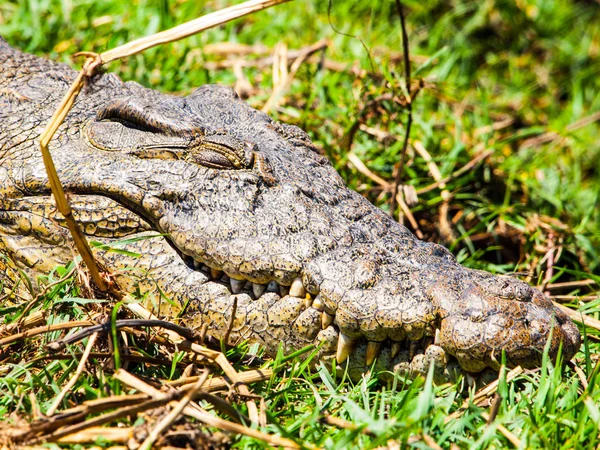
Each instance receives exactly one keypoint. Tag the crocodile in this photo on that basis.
(219, 216)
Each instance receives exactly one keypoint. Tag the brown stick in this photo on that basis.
(406, 54)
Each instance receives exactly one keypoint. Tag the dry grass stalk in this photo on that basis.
(580, 374)
(44, 329)
(28, 321)
(551, 135)
(580, 317)
(514, 440)
(570, 298)
(187, 29)
(219, 383)
(75, 377)
(220, 405)
(177, 410)
(108, 418)
(484, 392)
(570, 285)
(470, 165)
(213, 355)
(282, 79)
(362, 168)
(445, 228)
(430, 442)
(408, 213)
(344, 424)
(58, 192)
(207, 418)
(91, 435)
(74, 420)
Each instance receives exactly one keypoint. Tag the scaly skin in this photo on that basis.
(230, 190)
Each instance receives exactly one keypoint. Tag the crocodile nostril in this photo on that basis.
(523, 292)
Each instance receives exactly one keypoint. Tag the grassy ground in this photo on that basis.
(507, 111)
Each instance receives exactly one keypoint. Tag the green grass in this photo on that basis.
(526, 68)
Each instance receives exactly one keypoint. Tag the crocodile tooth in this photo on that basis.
(318, 303)
(373, 349)
(344, 348)
(284, 290)
(237, 286)
(413, 346)
(308, 301)
(205, 268)
(326, 319)
(297, 288)
(437, 339)
(216, 274)
(258, 289)
(395, 349)
(197, 265)
(273, 287)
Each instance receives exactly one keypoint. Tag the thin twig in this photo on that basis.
(400, 165)
(119, 324)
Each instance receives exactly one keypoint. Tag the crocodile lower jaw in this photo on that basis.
(408, 356)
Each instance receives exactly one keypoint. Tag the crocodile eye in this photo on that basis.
(220, 151)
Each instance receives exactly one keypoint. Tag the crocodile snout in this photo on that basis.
(407, 313)
(480, 326)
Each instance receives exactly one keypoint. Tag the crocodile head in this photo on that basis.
(253, 223)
